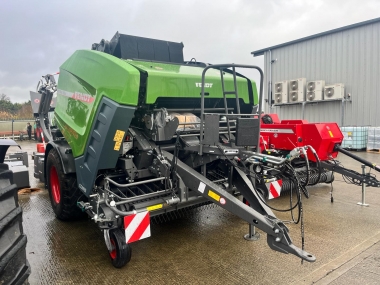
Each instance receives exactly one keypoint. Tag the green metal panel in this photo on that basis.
(184, 81)
(84, 79)
(88, 76)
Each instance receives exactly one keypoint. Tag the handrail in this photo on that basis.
(221, 67)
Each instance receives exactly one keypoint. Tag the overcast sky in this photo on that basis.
(36, 37)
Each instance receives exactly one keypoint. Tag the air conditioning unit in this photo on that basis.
(335, 91)
(314, 90)
(281, 92)
(297, 88)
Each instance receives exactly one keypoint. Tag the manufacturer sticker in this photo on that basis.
(83, 97)
(213, 195)
(279, 131)
(207, 85)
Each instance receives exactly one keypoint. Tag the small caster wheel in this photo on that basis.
(121, 252)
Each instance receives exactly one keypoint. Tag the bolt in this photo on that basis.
(278, 239)
(276, 231)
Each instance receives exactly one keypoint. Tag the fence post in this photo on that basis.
(13, 137)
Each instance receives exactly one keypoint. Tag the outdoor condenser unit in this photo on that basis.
(314, 90)
(297, 88)
(335, 91)
(281, 92)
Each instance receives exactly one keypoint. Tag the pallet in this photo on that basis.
(373, 150)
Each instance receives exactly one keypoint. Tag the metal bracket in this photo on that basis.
(107, 239)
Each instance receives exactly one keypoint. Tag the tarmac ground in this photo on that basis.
(208, 247)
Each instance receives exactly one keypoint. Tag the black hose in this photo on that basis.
(318, 166)
(307, 169)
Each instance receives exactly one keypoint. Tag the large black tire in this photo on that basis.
(63, 189)
(122, 252)
(14, 268)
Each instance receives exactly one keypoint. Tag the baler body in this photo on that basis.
(88, 76)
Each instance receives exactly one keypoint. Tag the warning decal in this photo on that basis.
(137, 227)
(118, 138)
(275, 189)
(213, 195)
(154, 207)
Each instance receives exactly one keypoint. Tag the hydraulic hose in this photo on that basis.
(318, 166)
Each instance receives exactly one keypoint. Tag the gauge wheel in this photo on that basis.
(120, 252)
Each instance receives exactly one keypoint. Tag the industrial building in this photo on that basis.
(332, 76)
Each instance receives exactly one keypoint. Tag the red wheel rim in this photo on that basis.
(113, 251)
(54, 185)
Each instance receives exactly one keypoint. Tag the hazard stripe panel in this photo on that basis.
(137, 227)
(275, 189)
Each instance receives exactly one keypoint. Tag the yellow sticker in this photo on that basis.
(213, 195)
(118, 136)
(117, 146)
(331, 134)
(154, 207)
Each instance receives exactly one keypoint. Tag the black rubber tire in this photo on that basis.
(14, 267)
(65, 208)
(122, 252)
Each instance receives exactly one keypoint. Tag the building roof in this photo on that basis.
(261, 51)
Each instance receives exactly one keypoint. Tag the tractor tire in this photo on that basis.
(14, 268)
(63, 189)
(121, 253)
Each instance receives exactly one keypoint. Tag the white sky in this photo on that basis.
(36, 37)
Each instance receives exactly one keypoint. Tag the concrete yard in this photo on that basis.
(208, 247)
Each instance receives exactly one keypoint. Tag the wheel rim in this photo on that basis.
(54, 185)
(113, 251)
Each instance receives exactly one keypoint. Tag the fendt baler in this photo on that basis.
(140, 133)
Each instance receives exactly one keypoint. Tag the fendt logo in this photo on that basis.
(207, 85)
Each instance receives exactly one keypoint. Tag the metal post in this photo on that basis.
(362, 203)
(13, 137)
(252, 235)
(303, 110)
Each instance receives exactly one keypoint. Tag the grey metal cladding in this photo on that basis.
(99, 151)
(262, 51)
(349, 56)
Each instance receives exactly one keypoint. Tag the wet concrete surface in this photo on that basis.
(208, 247)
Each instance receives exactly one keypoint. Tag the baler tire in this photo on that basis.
(63, 189)
(14, 267)
(122, 252)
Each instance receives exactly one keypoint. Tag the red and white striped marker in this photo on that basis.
(275, 189)
(137, 227)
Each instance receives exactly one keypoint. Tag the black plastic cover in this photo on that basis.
(132, 47)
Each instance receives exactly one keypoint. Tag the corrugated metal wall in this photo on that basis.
(351, 57)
